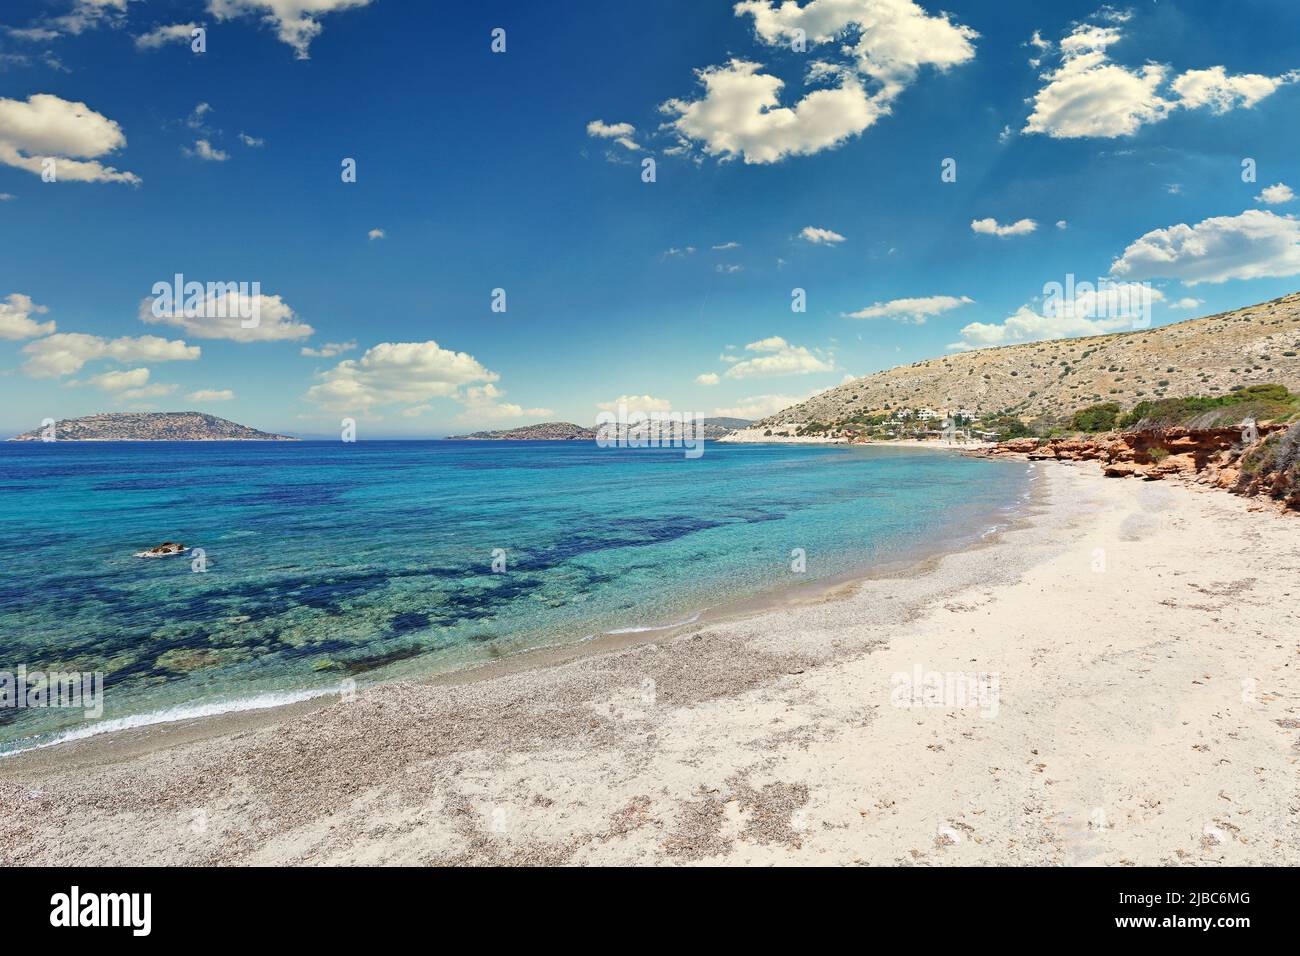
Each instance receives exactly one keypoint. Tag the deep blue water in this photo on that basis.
(330, 561)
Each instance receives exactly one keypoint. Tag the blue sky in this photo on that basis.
(523, 171)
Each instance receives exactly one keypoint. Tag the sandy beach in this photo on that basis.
(1112, 681)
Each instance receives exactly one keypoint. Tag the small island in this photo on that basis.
(148, 426)
(567, 431)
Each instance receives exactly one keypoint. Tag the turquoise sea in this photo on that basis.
(329, 562)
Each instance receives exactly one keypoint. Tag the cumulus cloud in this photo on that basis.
(895, 38)
(295, 21)
(1223, 93)
(818, 236)
(1187, 303)
(620, 133)
(66, 352)
(16, 320)
(483, 404)
(329, 349)
(211, 395)
(219, 315)
(376, 234)
(252, 142)
(116, 381)
(1088, 94)
(707, 378)
(914, 310)
(131, 385)
(203, 149)
(1276, 194)
(1253, 245)
(45, 126)
(739, 114)
(1091, 310)
(774, 356)
(162, 35)
(394, 373)
(991, 227)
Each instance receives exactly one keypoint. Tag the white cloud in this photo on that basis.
(1062, 224)
(676, 253)
(376, 234)
(220, 316)
(740, 115)
(161, 35)
(637, 403)
(1088, 94)
(33, 34)
(723, 247)
(149, 391)
(295, 21)
(818, 235)
(16, 320)
(707, 378)
(195, 120)
(914, 310)
(620, 133)
(728, 268)
(991, 227)
(66, 352)
(46, 126)
(1092, 311)
(760, 406)
(1187, 303)
(83, 15)
(1222, 93)
(205, 150)
(895, 38)
(1276, 194)
(211, 395)
(252, 142)
(119, 380)
(774, 356)
(1253, 245)
(483, 404)
(397, 373)
(329, 349)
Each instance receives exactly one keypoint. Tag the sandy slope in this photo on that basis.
(1144, 637)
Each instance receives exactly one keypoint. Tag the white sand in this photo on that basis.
(1145, 638)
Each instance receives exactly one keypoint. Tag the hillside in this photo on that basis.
(1253, 345)
(546, 431)
(151, 426)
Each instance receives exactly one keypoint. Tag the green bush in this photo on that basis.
(1210, 411)
(1095, 418)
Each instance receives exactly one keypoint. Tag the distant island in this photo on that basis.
(567, 431)
(546, 431)
(148, 426)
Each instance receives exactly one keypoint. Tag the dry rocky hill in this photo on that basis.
(149, 426)
(1253, 345)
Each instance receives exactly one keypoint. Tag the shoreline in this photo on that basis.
(241, 712)
(772, 738)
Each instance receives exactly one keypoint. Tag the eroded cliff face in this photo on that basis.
(1217, 457)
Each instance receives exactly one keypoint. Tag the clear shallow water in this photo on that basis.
(331, 561)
